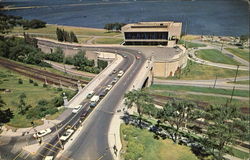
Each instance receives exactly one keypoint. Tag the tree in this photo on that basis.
(226, 126)
(5, 115)
(22, 104)
(73, 37)
(2, 103)
(140, 99)
(177, 113)
(59, 34)
(35, 23)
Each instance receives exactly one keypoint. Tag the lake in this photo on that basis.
(207, 17)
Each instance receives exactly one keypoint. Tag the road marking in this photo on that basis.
(100, 158)
(50, 149)
(54, 146)
(18, 155)
(27, 156)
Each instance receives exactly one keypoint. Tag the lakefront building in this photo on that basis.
(152, 33)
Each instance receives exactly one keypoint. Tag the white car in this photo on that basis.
(109, 87)
(91, 93)
(67, 134)
(76, 109)
(49, 158)
(42, 133)
(120, 73)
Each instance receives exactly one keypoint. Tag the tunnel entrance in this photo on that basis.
(145, 84)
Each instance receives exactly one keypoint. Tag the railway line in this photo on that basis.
(42, 75)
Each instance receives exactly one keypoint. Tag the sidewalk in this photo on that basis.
(114, 138)
(24, 131)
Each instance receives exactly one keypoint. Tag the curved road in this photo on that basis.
(92, 142)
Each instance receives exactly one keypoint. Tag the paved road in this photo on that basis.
(93, 140)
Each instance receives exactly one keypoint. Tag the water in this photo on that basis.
(207, 17)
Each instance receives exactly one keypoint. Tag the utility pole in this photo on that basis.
(232, 95)
(215, 81)
(236, 73)
(221, 47)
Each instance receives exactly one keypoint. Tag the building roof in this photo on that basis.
(150, 26)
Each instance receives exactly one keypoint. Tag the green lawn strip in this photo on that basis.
(191, 44)
(108, 40)
(207, 99)
(244, 54)
(9, 80)
(242, 93)
(216, 56)
(51, 29)
(197, 71)
(141, 144)
(238, 153)
(247, 82)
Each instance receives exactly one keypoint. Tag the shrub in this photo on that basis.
(59, 89)
(45, 85)
(20, 81)
(35, 84)
(31, 81)
(42, 102)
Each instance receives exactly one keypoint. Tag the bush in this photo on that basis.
(42, 102)
(31, 81)
(35, 84)
(45, 85)
(59, 89)
(57, 101)
(20, 81)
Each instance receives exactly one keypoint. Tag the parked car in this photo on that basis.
(42, 133)
(120, 73)
(103, 93)
(76, 109)
(114, 71)
(49, 158)
(109, 87)
(67, 134)
(114, 80)
(94, 100)
(91, 93)
(138, 57)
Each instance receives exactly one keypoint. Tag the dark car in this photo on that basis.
(114, 71)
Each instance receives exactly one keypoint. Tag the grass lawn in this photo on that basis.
(108, 41)
(190, 37)
(243, 93)
(216, 56)
(239, 153)
(197, 71)
(244, 54)
(51, 29)
(246, 82)
(191, 44)
(140, 144)
(9, 80)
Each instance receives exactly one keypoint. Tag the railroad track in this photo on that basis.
(42, 75)
(201, 105)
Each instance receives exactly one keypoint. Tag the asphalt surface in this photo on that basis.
(92, 143)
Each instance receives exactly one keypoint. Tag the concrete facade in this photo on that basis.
(166, 68)
(152, 33)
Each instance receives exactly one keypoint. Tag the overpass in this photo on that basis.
(92, 141)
